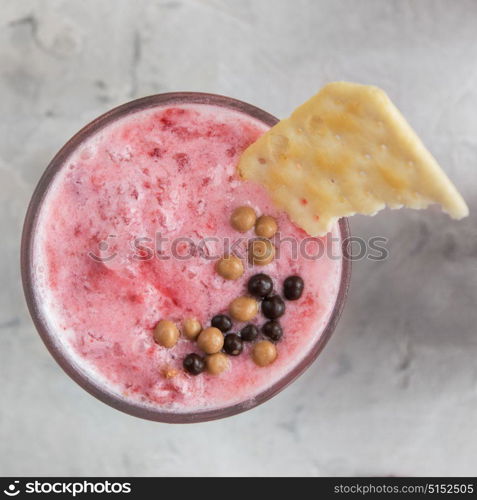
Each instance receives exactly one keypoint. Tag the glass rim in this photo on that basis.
(97, 389)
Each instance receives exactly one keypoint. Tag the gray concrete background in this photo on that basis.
(395, 392)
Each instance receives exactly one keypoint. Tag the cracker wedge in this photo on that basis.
(347, 150)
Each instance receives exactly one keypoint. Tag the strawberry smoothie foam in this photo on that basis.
(129, 233)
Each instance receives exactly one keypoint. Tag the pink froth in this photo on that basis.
(166, 171)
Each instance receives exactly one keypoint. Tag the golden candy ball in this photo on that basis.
(264, 353)
(266, 226)
(210, 340)
(243, 218)
(191, 328)
(230, 267)
(217, 363)
(261, 252)
(243, 308)
(166, 333)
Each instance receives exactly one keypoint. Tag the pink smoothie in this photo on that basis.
(167, 171)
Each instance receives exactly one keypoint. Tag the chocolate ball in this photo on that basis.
(273, 307)
(249, 333)
(194, 364)
(222, 322)
(273, 330)
(233, 344)
(260, 285)
(293, 287)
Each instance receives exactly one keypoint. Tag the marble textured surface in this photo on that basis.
(395, 391)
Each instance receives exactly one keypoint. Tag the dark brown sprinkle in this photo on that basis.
(293, 287)
(260, 285)
(233, 344)
(194, 364)
(273, 307)
(249, 333)
(273, 330)
(222, 322)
